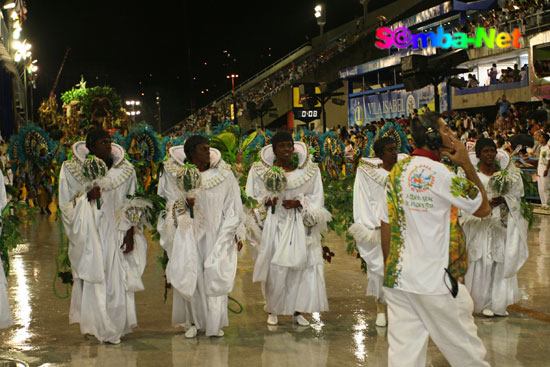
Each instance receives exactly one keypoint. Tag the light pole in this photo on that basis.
(365, 3)
(232, 77)
(31, 68)
(22, 53)
(158, 107)
(135, 111)
(233, 113)
(320, 14)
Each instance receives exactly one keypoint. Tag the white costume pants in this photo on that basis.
(488, 287)
(413, 318)
(544, 189)
(374, 286)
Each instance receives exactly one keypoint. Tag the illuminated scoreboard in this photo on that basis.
(300, 111)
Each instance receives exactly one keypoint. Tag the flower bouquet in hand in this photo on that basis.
(275, 182)
(189, 181)
(94, 169)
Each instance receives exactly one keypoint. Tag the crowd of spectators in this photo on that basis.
(510, 12)
(513, 125)
(494, 76)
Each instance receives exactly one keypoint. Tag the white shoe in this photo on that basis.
(301, 320)
(272, 319)
(503, 315)
(114, 342)
(191, 333)
(220, 333)
(381, 319)
(487, 313)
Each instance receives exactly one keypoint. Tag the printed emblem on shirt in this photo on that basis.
(421, 178)
(464, 188)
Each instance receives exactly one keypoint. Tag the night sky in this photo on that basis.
(160, 46)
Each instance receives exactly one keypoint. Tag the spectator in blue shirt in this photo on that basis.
(503, 105)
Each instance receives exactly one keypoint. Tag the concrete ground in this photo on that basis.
(345, 336)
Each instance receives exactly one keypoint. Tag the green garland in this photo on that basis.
(13, 215)
(87, 95)
(338, 196)
(75, 94)
(527, 208)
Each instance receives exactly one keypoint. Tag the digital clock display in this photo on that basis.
(309, 114)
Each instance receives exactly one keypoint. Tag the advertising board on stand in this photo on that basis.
(364, 109)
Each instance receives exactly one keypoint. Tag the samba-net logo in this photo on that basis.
(403, 38)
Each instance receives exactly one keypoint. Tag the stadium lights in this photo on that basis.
(320, 15)
(232, 77)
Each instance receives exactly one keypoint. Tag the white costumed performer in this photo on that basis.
(290, 259)
(202, 250)
(369, 197)
(5, 312)
(107, 247)
(497, 244)
(543, 180)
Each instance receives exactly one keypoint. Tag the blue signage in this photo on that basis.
(364, 109)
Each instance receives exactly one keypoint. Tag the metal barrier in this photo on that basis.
(537, 20)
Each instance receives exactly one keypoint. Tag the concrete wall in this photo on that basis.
(490, 98)
(282, 101)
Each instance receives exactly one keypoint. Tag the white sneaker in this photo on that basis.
(381, 319)
(191, 333)
(220, 333)
(272, 319)
(301, 320)
(487, 313)
(114, 342)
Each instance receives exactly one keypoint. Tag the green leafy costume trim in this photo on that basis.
(396, 216)
(463, 187)
(458, 255)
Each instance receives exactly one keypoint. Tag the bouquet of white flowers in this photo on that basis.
(94, 169)
(275, 182)
(189, 180)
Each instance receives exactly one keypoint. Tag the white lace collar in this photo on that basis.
(80, 152)
(267, 155)
(372, 166)
(303, 173)
(119, 173)
(216, 174)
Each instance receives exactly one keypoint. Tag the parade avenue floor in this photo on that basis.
(345, 336)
